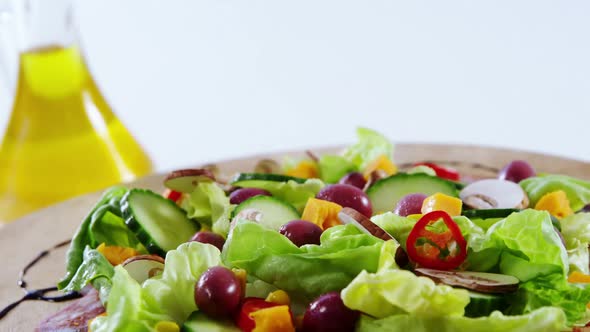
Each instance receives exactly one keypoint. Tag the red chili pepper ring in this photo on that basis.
(436, 250)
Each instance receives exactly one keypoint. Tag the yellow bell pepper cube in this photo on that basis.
(381, 163)
(556, 203)
(306, 169)
(279, 297)
(274, 319)
(442, 202)
(167, 326)
(322, 213)
(116, 255)
(578, 278)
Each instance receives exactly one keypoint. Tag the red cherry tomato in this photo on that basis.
(250, 305)
(172, 195)
(442, 172)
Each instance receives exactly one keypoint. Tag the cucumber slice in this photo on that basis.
(386, 193)
(488, 213)
(481, 305)
(275, 213)
(159, 224)
(199, 322)
(260, 180)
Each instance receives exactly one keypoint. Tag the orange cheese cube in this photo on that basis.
(555, 203)
(273, 319)
(116, 255)
(381, 163)
(442, 202)
(306, 169)
(322, 213)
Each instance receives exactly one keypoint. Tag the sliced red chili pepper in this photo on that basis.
(250, 305)
(172, 195)
(436, 250)
(442, 172)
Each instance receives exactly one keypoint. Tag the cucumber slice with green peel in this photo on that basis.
(275, 213)
(481, 305)
(260, 180)
(199, 322)
(386, 193)
(159, 224)
(488, 213)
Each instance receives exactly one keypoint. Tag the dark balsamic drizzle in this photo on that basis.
(39, 294)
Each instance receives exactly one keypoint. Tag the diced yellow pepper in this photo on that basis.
(556, 203)
(322, 213)
(442, 202)
(305, 169)
(578, 278)
(279, 297)
(167, 326)
(381, 163)
(274, 319)
(116, 255)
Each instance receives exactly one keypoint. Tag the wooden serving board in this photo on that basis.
(21, 240)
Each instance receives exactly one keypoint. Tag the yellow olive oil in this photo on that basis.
(62, 139)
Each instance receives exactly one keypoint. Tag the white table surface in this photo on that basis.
(213, 79)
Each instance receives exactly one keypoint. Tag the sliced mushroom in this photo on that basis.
(186, 180)
(494, 194)
(267, 166)
(144, 267)
(476, 281)
(365, 225)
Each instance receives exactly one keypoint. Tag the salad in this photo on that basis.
(344, 242)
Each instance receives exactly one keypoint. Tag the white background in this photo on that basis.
(211, 79)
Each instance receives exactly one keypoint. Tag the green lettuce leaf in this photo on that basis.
(542, 320)
(293, 192)
(577, 191)
(306, 271)
(555, 291)
(82, 238)
(209, 205)
(524, 245)
(125, 311)
(333, 168)
(166, 297)
(109, 228)
(172, 292)
(391, 291)
(369, 147)
(95, 269)
(575, 230)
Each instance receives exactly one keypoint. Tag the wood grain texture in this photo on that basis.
(23, 239)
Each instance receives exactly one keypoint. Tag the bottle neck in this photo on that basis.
(45, 24)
